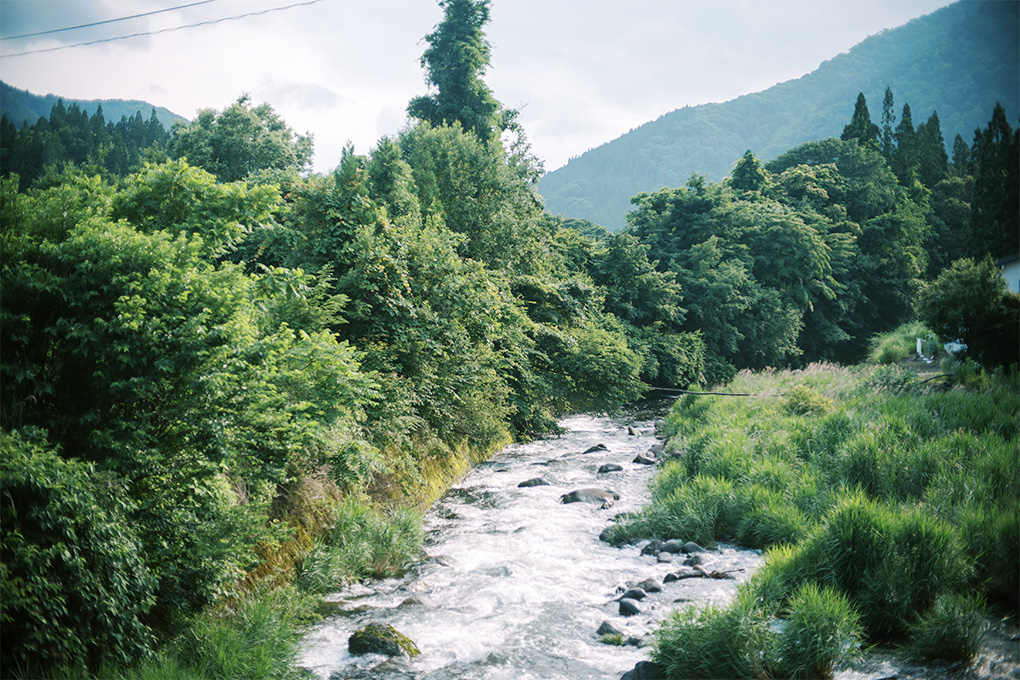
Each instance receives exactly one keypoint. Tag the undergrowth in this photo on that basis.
(887, 508)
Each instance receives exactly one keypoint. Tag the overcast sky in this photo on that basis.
(583, 72)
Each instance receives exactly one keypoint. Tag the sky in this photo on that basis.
(581, 72)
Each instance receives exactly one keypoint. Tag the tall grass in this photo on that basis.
(253, 638)
(365, 542)
(887, 503)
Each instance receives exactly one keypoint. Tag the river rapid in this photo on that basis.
(517, 583)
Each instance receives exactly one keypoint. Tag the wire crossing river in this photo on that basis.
(518, 582)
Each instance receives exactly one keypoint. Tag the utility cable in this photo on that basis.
(107, 21)
(164, 30)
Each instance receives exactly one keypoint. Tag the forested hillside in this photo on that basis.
(22, 107)
(959, 61)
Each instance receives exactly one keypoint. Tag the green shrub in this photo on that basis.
(822, 632)
(75, 588)
(901, 342)
(363, 543)
(713, 643)
(801, 400)
(256, 640)
(769, 519)
(952, 630)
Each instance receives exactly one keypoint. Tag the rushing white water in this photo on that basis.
(518, 582)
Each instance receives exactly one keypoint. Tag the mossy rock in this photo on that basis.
(382, 638)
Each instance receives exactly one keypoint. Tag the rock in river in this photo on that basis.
(591, 495)
(610, 467)
(629, 607)
(537, 481)
(381, 638)
(645, 670)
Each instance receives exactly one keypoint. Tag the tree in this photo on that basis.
(749, 177)
(931, 152)
(861, 127)
(995, 208)
(905, 160)
(970, 302)
(240, 140)
(888, 120)
(454, 63)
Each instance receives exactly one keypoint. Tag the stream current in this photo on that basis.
(517, 583)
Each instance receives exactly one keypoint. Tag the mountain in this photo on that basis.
(21, 106)
(958, 61)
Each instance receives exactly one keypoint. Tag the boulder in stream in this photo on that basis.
(608, 629)
(603, 497)
(645, 670)
(381, 638)
(598, 448)
(643, 459)
(635, 594)
(629, 607)
(653, 547)
(610, 467)
(650, 585)
(535, 481)
(691, 547)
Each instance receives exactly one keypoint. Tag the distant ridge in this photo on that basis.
(22, 106)
(959, 61)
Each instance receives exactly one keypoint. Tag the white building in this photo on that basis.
(1010, 268)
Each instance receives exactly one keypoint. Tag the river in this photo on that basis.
(517, 583)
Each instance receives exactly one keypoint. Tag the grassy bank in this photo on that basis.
(888, 509)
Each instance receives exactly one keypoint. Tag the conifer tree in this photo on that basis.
(995, 208)
(931, 152)
(888, 119)
(861, 127)
(904, 159)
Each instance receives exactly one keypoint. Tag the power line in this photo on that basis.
(107, 21)
(163, 30)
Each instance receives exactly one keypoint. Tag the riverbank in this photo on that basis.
(887, 509)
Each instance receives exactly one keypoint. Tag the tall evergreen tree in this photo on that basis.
(454, 64)
(961, 158)
(931, 152)
(905, 157)
(861, 127)
(888, 120)
(995, 208)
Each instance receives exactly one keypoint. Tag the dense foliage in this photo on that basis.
(807, 257)
(885, 505)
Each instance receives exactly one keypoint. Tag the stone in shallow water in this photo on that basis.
(608, 629)
(537, 481)
(591, 495)
(597, 448)
(645, 670)
(610, 467)
(381, 638)
(629, 607)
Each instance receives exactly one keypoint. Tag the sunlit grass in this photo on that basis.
(887, 504)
